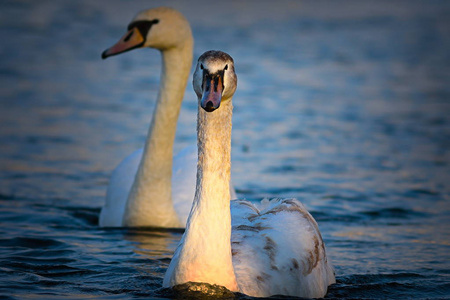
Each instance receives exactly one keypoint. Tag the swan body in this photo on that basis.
(259, 249)
(120, 183)
(151, 187)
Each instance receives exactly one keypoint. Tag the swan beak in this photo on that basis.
(212, 92)
(131, 40)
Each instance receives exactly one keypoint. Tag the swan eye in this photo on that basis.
(143, 26)
(201, 66)
(226, 67)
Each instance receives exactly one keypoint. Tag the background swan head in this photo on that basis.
(214, 79)
(161, 28)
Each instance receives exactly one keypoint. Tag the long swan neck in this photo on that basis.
(205, 254)
(150, 200)
(214, 160)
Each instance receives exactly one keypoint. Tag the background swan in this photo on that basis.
(146, 189)
(273, 247)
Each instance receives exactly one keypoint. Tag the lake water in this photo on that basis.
(343, 105)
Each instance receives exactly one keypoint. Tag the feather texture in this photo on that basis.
(260, 249)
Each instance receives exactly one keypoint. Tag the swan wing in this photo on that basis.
(122, 178)
(277, 249)
(118, 189)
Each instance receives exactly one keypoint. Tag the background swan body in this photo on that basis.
(259, 249)
(121, 180)
(148, 188)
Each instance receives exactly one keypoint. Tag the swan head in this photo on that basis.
(214, 79)
(161, 28)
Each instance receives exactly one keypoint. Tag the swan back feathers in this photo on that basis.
(277, 249)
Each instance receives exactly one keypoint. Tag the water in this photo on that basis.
(342, 105)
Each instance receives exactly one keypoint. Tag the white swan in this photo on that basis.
(144, 190)
(273, 247)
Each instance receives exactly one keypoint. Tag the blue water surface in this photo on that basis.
(343, 105)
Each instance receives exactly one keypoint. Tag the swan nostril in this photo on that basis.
(209, 107)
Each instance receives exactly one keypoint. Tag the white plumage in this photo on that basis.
(259, 249)
(121, 180)
(278, 250)
(147, 189)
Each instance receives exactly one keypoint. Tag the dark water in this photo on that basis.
(344, 105)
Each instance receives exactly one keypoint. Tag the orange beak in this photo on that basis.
(131, 40)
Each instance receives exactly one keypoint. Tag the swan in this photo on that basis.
(147, 188)
(259, 249)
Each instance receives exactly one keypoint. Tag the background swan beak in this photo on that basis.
(212, 93)
(131, 40)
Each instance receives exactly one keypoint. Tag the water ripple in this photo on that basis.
(344, 109)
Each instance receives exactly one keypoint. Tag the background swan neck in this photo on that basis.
(205, 251)
(150, 200)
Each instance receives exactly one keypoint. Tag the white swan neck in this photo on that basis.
(205, 254)
(150, 200)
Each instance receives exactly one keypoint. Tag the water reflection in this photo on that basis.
(154, 242)
(342, 106)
